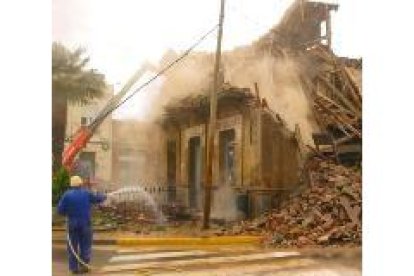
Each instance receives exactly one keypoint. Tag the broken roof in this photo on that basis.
(200, 104)
(299, 27)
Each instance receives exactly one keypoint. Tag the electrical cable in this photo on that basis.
(99, 119)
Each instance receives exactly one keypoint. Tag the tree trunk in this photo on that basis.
(59, 114)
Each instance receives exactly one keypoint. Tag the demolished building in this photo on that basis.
(332, 84)
(299, 98)
(257, 159)
(310, 101)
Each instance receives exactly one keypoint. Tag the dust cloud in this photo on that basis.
(279, 82)
(281, 72)
(279, 79)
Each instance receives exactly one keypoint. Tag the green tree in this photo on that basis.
(72, 82)
(60, 184)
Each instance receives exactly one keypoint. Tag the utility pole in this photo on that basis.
(212, 125)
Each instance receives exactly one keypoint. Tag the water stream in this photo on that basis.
(138, 196)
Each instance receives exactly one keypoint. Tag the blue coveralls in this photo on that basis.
(76, 204)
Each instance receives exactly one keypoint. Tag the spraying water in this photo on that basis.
(138, 196)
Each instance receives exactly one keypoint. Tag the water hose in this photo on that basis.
(139, 271)
(90, 267)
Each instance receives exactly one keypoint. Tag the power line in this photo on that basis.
(103, 116)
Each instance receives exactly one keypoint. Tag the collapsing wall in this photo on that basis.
(277, 62)
(278, 79)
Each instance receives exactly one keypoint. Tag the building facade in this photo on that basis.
(256, 158)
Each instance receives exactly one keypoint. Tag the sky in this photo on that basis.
(119, 35)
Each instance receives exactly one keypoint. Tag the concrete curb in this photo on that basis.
(95, 229)
(136, 241)
(222, 240)
(95, 241)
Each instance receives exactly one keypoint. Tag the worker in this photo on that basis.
(76, 205)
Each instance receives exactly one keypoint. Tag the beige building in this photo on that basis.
(257, 160)
(95, 160)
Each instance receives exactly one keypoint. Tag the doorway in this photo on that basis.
(171, 169)
(194, 172)
(226, 156)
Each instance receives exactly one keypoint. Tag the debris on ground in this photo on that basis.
(328, 212)
(124, 215)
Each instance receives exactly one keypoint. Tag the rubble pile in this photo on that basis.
(328, 212)
(122, 215)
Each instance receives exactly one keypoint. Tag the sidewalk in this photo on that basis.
(131, 239)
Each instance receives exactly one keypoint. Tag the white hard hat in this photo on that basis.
(75, 181)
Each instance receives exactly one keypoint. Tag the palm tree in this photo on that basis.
(72, 82)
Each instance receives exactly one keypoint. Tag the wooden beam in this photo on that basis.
(327, 99)
(340, 96)
(340, 120)
(353, 83)
(351, 91)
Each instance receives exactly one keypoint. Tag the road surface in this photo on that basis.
(215, 260)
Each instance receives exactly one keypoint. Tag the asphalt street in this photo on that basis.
(214, 260)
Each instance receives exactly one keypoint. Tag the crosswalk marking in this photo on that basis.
(249, 269)
(147, 249)
(292, 267)
(150, 256)
(199, 261)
